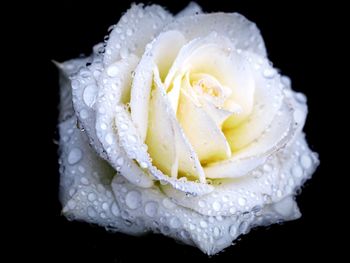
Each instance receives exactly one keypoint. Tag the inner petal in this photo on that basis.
(203, 133)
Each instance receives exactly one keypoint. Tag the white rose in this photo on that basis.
(180, 125)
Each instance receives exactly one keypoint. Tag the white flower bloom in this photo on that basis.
(180, 125)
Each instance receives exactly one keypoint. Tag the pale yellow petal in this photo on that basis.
(204, 135)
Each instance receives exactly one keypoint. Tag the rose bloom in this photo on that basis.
(180, 125)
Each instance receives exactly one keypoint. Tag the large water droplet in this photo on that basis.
(91, 197)
(297, 171)
(91, 211)
(233, 231)
(241, 201)
(84, 114)
(305, 161)
(84, 180)
(151, 209)
(74, 156)
(71, 204)
(133, 199)
(112, 71)
(201, 203)
(203, 224)
(89, 95)
(269, 73)
(216, 232)
(174, 222)
(216, 206)
(105, 206)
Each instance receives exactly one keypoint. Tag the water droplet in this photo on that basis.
(305, 161)
(174, 222)
(203, 224)
(75, 84)
(91, 197)
(124, 52)
(269, 73)
(109, 138)
(216, 232)
(91, 211)
(74, 156)
(112, 71)
(120, 161)
(115, 209)
(105, 206)
(216, 206)
(129, 32)
(279, 193)
(241, 201)
(232, 210)
(143, 165)
(84, 180)
(71, 204)
(89, 95)
(103, 215)
(103, 126)
(133, 199)
(233, 231)
(184, 234)
(243, 227)
(201, 203)
(300, 97)
(151, 209)
(84, 114)
(297, 171)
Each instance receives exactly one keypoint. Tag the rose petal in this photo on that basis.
(157, 54)
(115, 83)
(267, 101)
(206, 138)
(243, 33)
(281, 130)
(85, 178)
(84, 93)
(160, 135)
(138, 26)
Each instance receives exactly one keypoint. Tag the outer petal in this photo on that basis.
(243, 33)
(277, 135)
(268, 98)
(158, 53)
(85, 178)
(138, 26)
(84, 92)
(115, 83)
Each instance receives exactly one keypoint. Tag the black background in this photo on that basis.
(296, 38)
